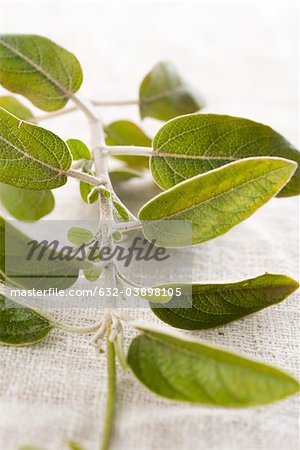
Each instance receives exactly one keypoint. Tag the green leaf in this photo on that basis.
(211, 305)
(117, 236)
(188, 370)
(20, 325)
(164, 94)
(214, 202)
(39, 273)
(78, 149)
(32, 157)
(39, 69)
(120, 212)
(198, 143)
(92, 274)
(124, 132)
(90, 194)
(86, 188)
(15, 107)
(26, 205)
(79, 235)
(121, 175)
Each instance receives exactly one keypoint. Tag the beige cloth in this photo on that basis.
(243, 57)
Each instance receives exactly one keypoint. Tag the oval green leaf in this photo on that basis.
(216, 201)
(212, 305)
(187, 370)
(39, 69)
(31, 157)
(78, 149)
(15, 107)
(124, 132)
(93, 274)
(79, 235)
(20, 325)
(26, 205)
(198, 143)
(164, 94)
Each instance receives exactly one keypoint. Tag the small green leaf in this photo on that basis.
(32, 157)
(26, 205)
(86, 188)
(19, 325)
(211, 305)
(39, 69)
(92, 274)
(188, 370)
(79, 235)
(216, 201)
(164, 94)
(105, 192)
(120, 212)
(198, 143)
(117, 236)
(78, 149)
(121, 175)
(124, 132)
(15, 107)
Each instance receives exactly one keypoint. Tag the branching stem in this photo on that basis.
(118, 150)
(71, 109)
(126, 226)
(95, 181)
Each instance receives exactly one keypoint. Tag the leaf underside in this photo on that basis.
(26, 205)
(197, 143)
(190, 371)
(164, 94)
(214, 202)
(212, 305)
(15, 107)
(20, 325)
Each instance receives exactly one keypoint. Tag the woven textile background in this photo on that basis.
(243, 57)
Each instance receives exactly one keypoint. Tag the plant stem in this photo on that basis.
(126, 226)
(74, 108)
(111, 391)
(115, 102)
(52, 115)
(117, 150)
(99, 156)
(95, 181)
